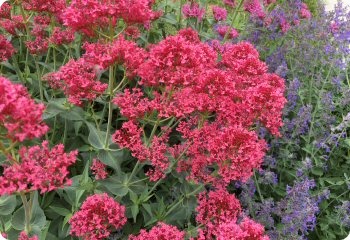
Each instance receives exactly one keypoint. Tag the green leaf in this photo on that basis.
(318, 171)
(116, 185)
(96, 138)
(111, 158)
(66, 219)
(75, 114)
(60, 210)
(7, 204)
(134, 211)
(347, 142)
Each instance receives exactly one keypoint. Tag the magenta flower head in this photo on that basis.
(98, 216)
(160, 232)
(39, 169)
(19, 114)
(193, 10)
(220, 14)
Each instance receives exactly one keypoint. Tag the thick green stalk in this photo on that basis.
(235, 14)
(110, 104)
(27, 212)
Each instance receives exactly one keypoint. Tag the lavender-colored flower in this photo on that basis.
(343, 212)
(298, 209)
(301, 123)
(268, 177)
(264, 213)
(292, 95)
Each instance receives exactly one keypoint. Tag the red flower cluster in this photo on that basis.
(193, 10)
(304, 11)
(78, 80)
(97, 217)
(98, 168)
(160, 232)
(49, 6)
(121, 52)
(13, 24)
(129, 136)
(221, 101)
(23, 236)
(222, 30)
(87, 15)
(6, 49)
(219, 212)
(254, 7)
(220, 14)
(19, 114)
(39, 169)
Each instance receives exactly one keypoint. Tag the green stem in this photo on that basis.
(258, 187)
(27, 212)
(65, 132)
(134, 171)
(180, 15)
(110, 104)
(235, 14)
(41, 91)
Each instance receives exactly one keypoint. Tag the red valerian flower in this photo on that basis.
(49, 6)
(39, 169)
(6, 49)
(254, 7)
(219, 212)
(13, 24)
(87, 15)
(246, 230)
(160, 232)
(98, 168)
(121, 51)
(98, 216)
(233, 151)
(23, 236)
(220, 14)
(193, 10)
(78, 80)
(217, 206)
(176, 60)
(129, 136)
(19, 114)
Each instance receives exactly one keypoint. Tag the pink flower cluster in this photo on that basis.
(160, 232)
(98, 168)
(88, 15)
(13, 24)
(39, 169)
(234, 150)
(120, 52)
(304, 11)
(23, 236)
(220, 14)
(219, 212)
(98, 216)
(255, 8)
(6, 49)
(193, 10)
(220, 100)
(129, 136)
(224, 30)
(19, 114)
(49, 6)
(78, 80)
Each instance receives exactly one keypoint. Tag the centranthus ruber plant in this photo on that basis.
(112, 128)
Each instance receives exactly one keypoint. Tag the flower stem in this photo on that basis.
(27, 212)
(110, 104)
